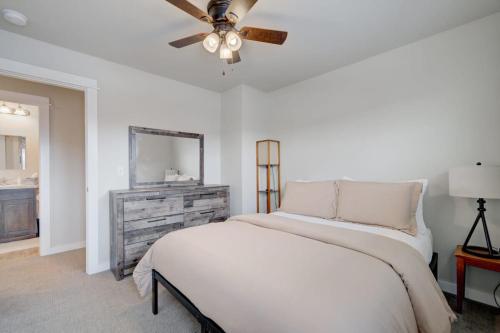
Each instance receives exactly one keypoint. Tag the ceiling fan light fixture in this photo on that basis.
(233, 41)
(211, 42)
(225, 52)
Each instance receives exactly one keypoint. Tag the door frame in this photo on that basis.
(89, 87)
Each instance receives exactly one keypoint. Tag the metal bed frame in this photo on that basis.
(207, 324)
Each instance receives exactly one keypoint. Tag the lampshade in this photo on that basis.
(476, 182)
(20, 111)
(233, 41)
(211, 42)
(225, 52)
(5, 109)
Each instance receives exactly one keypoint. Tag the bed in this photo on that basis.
(292, 273)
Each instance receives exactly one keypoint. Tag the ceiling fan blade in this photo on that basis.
(236, 58)
(191, 9)
(188, 40)
(238, 9)
(264, 35)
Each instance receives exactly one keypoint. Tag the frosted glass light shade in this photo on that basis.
(20, 111)
(225, 52)
(5, 109)
(476, 182)
(233, 41)
(211, 42)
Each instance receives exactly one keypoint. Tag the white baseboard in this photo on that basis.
(100, 268)
(63, 248)
(473, 294)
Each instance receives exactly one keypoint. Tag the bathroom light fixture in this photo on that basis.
(15, 17)
(20, 111)
(4, 109)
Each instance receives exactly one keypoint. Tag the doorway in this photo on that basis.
(89, 88)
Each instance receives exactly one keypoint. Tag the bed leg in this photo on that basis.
(155, 292)
(204, 327)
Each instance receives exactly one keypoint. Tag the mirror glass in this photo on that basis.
(12, 152)
(163, 158)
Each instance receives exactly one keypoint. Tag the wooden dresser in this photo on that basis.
(139, 217)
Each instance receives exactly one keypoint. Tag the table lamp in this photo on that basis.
(478, 182)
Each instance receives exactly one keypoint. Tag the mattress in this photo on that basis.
(422, 242)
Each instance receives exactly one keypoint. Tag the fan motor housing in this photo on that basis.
(217, 9)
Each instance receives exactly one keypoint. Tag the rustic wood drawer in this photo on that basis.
(138, 243)
(201, 217)
(134, 252)
(148, 234)
(152, 207)
(152, 222)
(205, 201)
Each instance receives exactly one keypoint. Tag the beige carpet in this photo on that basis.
(53, 294)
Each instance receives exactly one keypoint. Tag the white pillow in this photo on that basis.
(419, 214)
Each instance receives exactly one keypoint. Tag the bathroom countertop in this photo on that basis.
(16, 187)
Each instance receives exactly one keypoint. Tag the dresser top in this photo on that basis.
(178, 188)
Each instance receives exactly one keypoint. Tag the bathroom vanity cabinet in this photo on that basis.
(17, 214)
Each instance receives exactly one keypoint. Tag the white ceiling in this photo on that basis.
(323, 34)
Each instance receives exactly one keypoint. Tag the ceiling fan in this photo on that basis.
(223, 15)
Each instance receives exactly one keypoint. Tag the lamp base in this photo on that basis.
(482, 252)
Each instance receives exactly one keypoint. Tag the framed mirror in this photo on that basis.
(12, 152)
(164, 158)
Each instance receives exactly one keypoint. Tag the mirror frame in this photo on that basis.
(133, 130)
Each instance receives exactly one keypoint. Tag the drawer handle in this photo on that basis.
(205, 213)
(150, 243)
(156, 198)
(157, 220)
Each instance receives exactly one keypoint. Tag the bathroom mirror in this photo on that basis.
(164, 158)
(12, 152)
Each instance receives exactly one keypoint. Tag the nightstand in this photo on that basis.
(464, 259)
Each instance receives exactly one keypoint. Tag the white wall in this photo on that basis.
(255, 126)
(244, 111)
(127, 97)
(409, 113)
(26, 127)
(231, 129)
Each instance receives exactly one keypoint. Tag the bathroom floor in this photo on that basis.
(21, 248)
